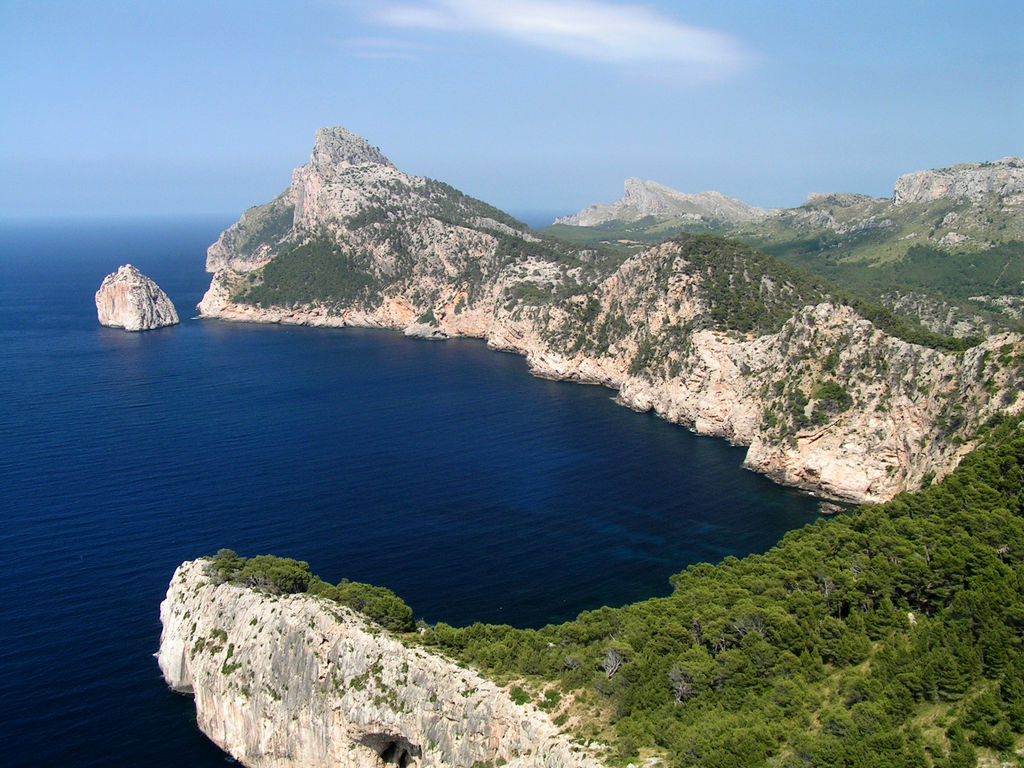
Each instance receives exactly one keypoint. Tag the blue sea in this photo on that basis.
(443, 471)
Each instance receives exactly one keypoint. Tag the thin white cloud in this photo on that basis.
(589, 29)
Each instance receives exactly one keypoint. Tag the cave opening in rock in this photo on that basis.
(392, 750)
(395, 755)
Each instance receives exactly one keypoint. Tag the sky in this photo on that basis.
(111, 108)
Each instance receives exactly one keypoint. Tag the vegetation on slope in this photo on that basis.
(450, 204)
(874, 250)
(745, 290)
(741, 289)
(284, 576)
(264, 225)
(971, 284)
(318, 271)
(892, 636)
(958, 274)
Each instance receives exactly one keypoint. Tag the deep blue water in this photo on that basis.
(441, 470)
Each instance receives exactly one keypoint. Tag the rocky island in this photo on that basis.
(704, 331)
(130, 300)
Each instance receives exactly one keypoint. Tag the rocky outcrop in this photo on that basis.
(972, 182)
(705, 332)
(295, 681)
(648, 198)
(130, 300)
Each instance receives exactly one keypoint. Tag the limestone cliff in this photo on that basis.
(972, 182)
(130, 300)
(648, 198)
(706, 332)
(295, 681)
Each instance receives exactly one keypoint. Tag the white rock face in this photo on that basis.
(971, 181)
(648, 198)
(335, 148)
(299, 682)
(130, 300)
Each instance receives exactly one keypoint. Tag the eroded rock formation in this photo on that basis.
(296, 681)
(130, 300)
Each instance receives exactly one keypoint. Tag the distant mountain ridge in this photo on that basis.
(649, 198)
(968, 181)
(971, 182)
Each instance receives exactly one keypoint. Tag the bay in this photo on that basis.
(443, 471)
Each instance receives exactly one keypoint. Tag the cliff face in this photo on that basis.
(130, 300)
(705, 332)
(296, 682)
(971, 181)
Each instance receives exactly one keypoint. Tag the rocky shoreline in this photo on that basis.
(714, 399)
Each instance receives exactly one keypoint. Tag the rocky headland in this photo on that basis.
(704, 331)
(130, 300)
(292, 681)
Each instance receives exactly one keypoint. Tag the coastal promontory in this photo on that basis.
(130, 300)
(297, 680)
(830, 394)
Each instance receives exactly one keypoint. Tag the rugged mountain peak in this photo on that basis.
(349, 193)
(971, 181)
(130, 300)
(649, 198)
(343, 176)
(639, 191)
(335, 147)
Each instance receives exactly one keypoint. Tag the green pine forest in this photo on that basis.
(888, 636)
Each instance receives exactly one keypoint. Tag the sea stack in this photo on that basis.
(130, 300)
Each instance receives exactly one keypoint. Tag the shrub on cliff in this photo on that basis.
(225, 565)
(377, 603)
(267, 573)
(282, 576)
